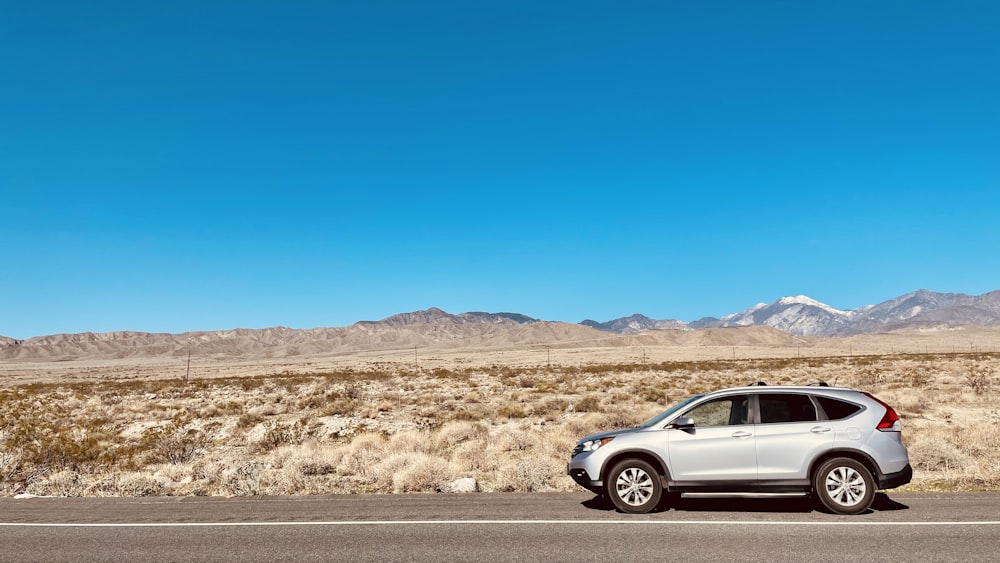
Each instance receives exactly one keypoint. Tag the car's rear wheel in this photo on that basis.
(633, 485)
(844, 486)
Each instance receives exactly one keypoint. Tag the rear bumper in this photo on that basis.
(893, 480)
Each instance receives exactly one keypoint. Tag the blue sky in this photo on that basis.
(178, 166)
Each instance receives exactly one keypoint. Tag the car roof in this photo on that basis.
(814, 389)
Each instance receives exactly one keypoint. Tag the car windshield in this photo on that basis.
(667, 413)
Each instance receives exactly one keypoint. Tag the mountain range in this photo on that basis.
(803, 316)
(783, 318)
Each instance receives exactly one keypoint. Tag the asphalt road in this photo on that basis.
(494, 527)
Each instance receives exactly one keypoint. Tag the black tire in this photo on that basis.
(633, 486)
(844, 486)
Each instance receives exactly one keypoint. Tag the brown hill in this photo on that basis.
(285, 342)
(440, 334)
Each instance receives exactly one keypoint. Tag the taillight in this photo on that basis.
(890, 420)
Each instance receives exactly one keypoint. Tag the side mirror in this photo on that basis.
(683, 422)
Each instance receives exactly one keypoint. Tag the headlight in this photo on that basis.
(592, 445)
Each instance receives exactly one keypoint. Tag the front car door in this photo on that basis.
(719, 449)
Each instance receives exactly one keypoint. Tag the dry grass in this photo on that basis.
(416, 429)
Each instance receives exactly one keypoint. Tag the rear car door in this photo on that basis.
(789, 435)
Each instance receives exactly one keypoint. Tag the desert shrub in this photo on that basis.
(455, 432)
(588, 404)
(385, 471)
(551, 405)
(57, 447)
(230, 407)
(474, 456)
(66, 483)
(209, 411)
(315, 467)
(423, 473)
(935, 454)
(10, 465)
(137, 485)
(206, 477)
(909, 402)
(173, 444)
(442, 373)
(525, 475)
(409, 441)
(352, 391)
(583, 425)
(654, 394)
(244, 480)
(340, 406)
(363, 454)
(314, 399)
(248, 420)
(277, 435)
(470, 413)
(918, 377)
(871, 377)
(270, 409)
(511, 411)
(527, 381)
(512, 440)
(979, 378)
(621, 418)
(981, 442)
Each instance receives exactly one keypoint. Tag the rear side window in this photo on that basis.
(775, 408)
(836, 410)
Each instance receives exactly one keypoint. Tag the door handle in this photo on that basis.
(741, 434)
(819, 429)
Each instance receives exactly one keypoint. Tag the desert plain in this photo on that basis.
(502, 414)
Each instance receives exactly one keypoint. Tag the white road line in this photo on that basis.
(485, 522)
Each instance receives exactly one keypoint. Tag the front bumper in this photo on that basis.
(583, 479)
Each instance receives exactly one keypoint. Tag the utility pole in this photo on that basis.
(187, 374)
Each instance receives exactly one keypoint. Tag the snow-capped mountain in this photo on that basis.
(803, 316)
(798, 315)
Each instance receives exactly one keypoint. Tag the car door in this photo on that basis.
(788, 437)
(718, 449)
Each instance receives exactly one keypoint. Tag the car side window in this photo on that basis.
(727, 411)
(786, 407)
(835, 409)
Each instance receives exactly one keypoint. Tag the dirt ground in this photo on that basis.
(418, 419)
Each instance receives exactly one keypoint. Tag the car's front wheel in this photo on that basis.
(633, 485)
(844, 486)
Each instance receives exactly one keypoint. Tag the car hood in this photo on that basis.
(608, 434)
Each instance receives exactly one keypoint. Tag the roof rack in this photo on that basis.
(758, 384)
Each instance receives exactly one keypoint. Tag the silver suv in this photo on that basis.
(839, 445)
